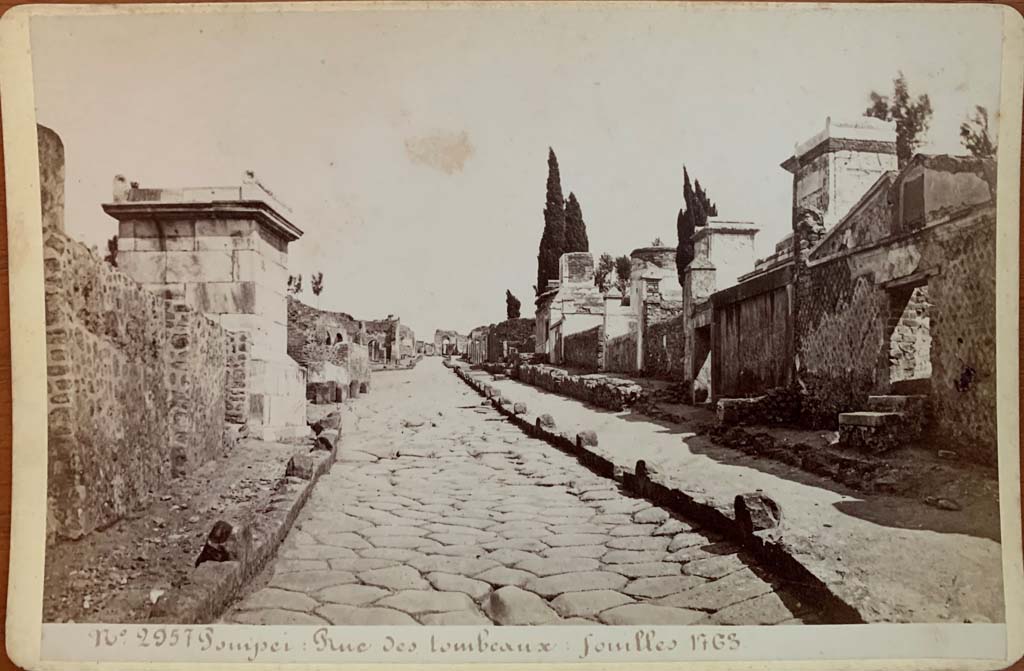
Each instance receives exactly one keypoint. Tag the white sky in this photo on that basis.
(412, 144)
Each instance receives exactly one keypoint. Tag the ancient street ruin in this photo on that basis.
(802, 438)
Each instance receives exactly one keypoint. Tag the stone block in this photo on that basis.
(756, 512)
(144, 267)
(586, 438)
(222, 297)
(546, 421)
(199, 267)
(519, 408)
(301, 466)
(227, 542)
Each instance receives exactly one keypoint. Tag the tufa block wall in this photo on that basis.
(664, 348)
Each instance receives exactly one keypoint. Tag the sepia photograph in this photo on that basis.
(675, 323)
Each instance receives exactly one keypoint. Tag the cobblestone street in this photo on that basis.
(440, 512)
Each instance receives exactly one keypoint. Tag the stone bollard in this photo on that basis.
(586, 438)
(301, 466)
(519, 408)
(756, 512)
(546, 421)
(226, 542)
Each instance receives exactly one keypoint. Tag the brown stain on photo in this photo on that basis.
(444, 151)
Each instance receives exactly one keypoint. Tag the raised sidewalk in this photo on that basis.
(881, 556)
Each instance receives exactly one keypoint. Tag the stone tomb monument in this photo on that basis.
(222, 251)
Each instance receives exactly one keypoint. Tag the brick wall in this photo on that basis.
(136, 387)
(584, 349)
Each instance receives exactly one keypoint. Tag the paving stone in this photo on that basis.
(652, 515)
(461, 522)
(544, 566)
(575, 582)
(417, 602)
(295, 565)
(632, 556)
(459, 551)
(456, 539)
(339, 614)
(299, 538)
(671, 527)
(281, 599)
(351, 595)
(719, 594)
(645, 569)
(311, 581)
(448, 582)
(458, 617)
(462, 530)
(644, 613)
(358, 564)
(764, 609)
(333, 522)
(686, 540)
(509, 556)
(395, 578)
(579, 528)
(622, 505)
(633, 530)
(276, 616)
(592, 551)
(404, 542)
(714, 567)
(315, 552)
(397, 554)
(614, 519)
(502, 575)
(600, 495)
(392, 530)
(575, 622)
(514, 606)
(344, 540)
(574, 539)
(572, 604)
(662, 586)
(525, 544)
(638, 543)
(456, 565)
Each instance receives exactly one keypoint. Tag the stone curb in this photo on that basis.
(212, 586)
(648, 483)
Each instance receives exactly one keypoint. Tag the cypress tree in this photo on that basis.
(698, 208)
(552, 242)
(575, 228)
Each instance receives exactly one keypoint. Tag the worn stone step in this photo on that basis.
(869, 418)
(897, 403)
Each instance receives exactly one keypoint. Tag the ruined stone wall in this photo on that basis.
(620, 353)
(606, 392)
(910, 344)
(665, 347)
(963, 345)
(584, 349)
(136, 386)
(51, 178)
(319, 336)
(236, 394)
(509, 335)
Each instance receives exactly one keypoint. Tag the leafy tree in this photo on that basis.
(575, 228)
(295, 284)
(622, 270)
(316, 281)
(111, 256)
(698, 208)
(656, 242)
(912, 117)
(512, 305)
(974, 134)
(552, 242)
(605, 267)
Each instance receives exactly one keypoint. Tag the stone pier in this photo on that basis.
(222, 251)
